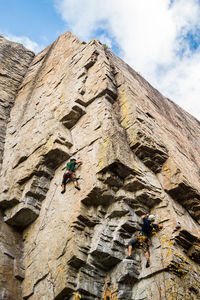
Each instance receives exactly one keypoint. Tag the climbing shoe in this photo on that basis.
(129, 257)
(147, 264)
(77, 187)
(62, 192)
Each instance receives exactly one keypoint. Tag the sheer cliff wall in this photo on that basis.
(140, 155)
(14, 62)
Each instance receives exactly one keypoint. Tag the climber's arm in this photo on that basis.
(79, 162)
(145, 216)
(157, 227)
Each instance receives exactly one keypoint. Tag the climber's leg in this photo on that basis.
(75, 181)
(131, 243)
(148, 259)
(76, 185)
(130, 250)
(147, 252)
(64, 181)
(63, 189)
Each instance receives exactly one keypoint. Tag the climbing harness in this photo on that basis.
(109, 293)
(77, 296)
(70, 175)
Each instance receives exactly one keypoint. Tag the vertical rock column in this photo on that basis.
(14, 61)
(11, 263)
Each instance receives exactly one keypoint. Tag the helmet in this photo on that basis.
(151, 218)
(73, 158)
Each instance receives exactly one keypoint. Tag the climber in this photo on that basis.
(69, 174)
(143, 237)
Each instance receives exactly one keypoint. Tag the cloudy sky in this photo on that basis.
(160, 39)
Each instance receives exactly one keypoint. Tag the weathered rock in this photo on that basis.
(14, 62)
(138, 151)
(12, 271)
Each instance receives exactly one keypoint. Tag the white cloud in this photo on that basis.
(151, 35)
(28, 43)
(181, 83)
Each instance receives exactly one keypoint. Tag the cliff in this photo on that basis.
(140, 155)
(14, 62)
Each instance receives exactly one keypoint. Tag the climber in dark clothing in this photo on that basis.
(143, 238)
(70, 174)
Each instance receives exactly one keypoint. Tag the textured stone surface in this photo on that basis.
(14, 61)
(80, 100)
(12, 268)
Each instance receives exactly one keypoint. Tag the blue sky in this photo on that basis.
(159, 38)
(36, 19)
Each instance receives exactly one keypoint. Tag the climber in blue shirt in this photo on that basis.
(143, 238)
(148, 226)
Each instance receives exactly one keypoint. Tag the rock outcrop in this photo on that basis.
(140, 155)
(14, 61)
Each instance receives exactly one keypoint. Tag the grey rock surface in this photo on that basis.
(140, 154)
(14, 62)
(12, 267)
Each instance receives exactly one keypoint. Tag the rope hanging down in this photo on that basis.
(41, 225)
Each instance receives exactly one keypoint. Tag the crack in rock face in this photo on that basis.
(139, 155)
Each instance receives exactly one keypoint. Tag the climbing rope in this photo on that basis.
(40, 227)
(52, 281)
(162, 261)
(164, 279)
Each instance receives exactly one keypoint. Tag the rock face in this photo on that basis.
(140, 155)
(14, 61)
(12, 270)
